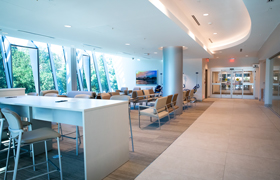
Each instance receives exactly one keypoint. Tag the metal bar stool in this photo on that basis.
(29, 138)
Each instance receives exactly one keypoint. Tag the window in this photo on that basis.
(3, 82)
(93, 80)
(78, 84)
(111, 72)
(84, 76)
(60, 67)
(46, 76)
(102, 73)
(22, 69)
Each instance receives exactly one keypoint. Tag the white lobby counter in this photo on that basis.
(104, 122)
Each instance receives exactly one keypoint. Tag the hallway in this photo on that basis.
(232, 139)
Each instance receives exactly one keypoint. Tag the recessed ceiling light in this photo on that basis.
(127, 44)
(218, 57)
(215, 33)
(4, 33)
(138, 59)
(246, 55)
(278, 57)
(68, 26)
(155, 52)
(205, 14)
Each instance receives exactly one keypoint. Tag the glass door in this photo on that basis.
(226, 84)
(237, 84)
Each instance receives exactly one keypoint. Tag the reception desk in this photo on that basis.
(104, 122)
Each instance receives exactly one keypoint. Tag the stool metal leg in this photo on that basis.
(131, 131)
(59, 158)
(47, 159)
(33, 158)
(77, 138)
(17, 157)
(8, 157)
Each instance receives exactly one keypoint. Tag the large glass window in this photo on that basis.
(46, 76)
(93, 79)
(22, 69)
(60, 67)
(3, 82)
(111, 72)
(102, 73)
(84, 76)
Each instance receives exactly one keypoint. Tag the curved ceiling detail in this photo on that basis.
(228, 22)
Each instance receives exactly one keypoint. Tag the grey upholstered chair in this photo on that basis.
(159, 110)
(125, 98)
(32, 94)
(136, 88)
(4, 128)
(27, 138)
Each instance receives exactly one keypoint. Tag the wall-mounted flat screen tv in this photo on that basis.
(146, 77)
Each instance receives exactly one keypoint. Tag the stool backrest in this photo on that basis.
(43, 93)
(82, 96)
(13, 119)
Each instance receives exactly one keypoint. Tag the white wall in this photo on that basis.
(126, 68)
(272, 45)
(190, 67)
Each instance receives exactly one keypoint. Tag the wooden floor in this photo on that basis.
(149, 143)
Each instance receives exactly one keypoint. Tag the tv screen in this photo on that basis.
(146, 77)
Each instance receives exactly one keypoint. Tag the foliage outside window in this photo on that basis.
(3, 82)
(22, 69)
(60, 67)
(102, 73)
(78, 84)
(46, 76)
(93, 80)
(111, 72)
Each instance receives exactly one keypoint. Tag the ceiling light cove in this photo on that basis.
(67, 26)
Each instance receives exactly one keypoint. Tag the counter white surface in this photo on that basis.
(105, 127)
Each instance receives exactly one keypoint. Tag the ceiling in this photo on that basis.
(108, 25)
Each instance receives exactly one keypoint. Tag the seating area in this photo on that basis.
(145, 90)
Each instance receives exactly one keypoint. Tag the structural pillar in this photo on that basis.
(268, 82)
(173, 73)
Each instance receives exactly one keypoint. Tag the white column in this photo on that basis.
(71, 68)
(173, 73)
(268, 82)
(262, 78)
